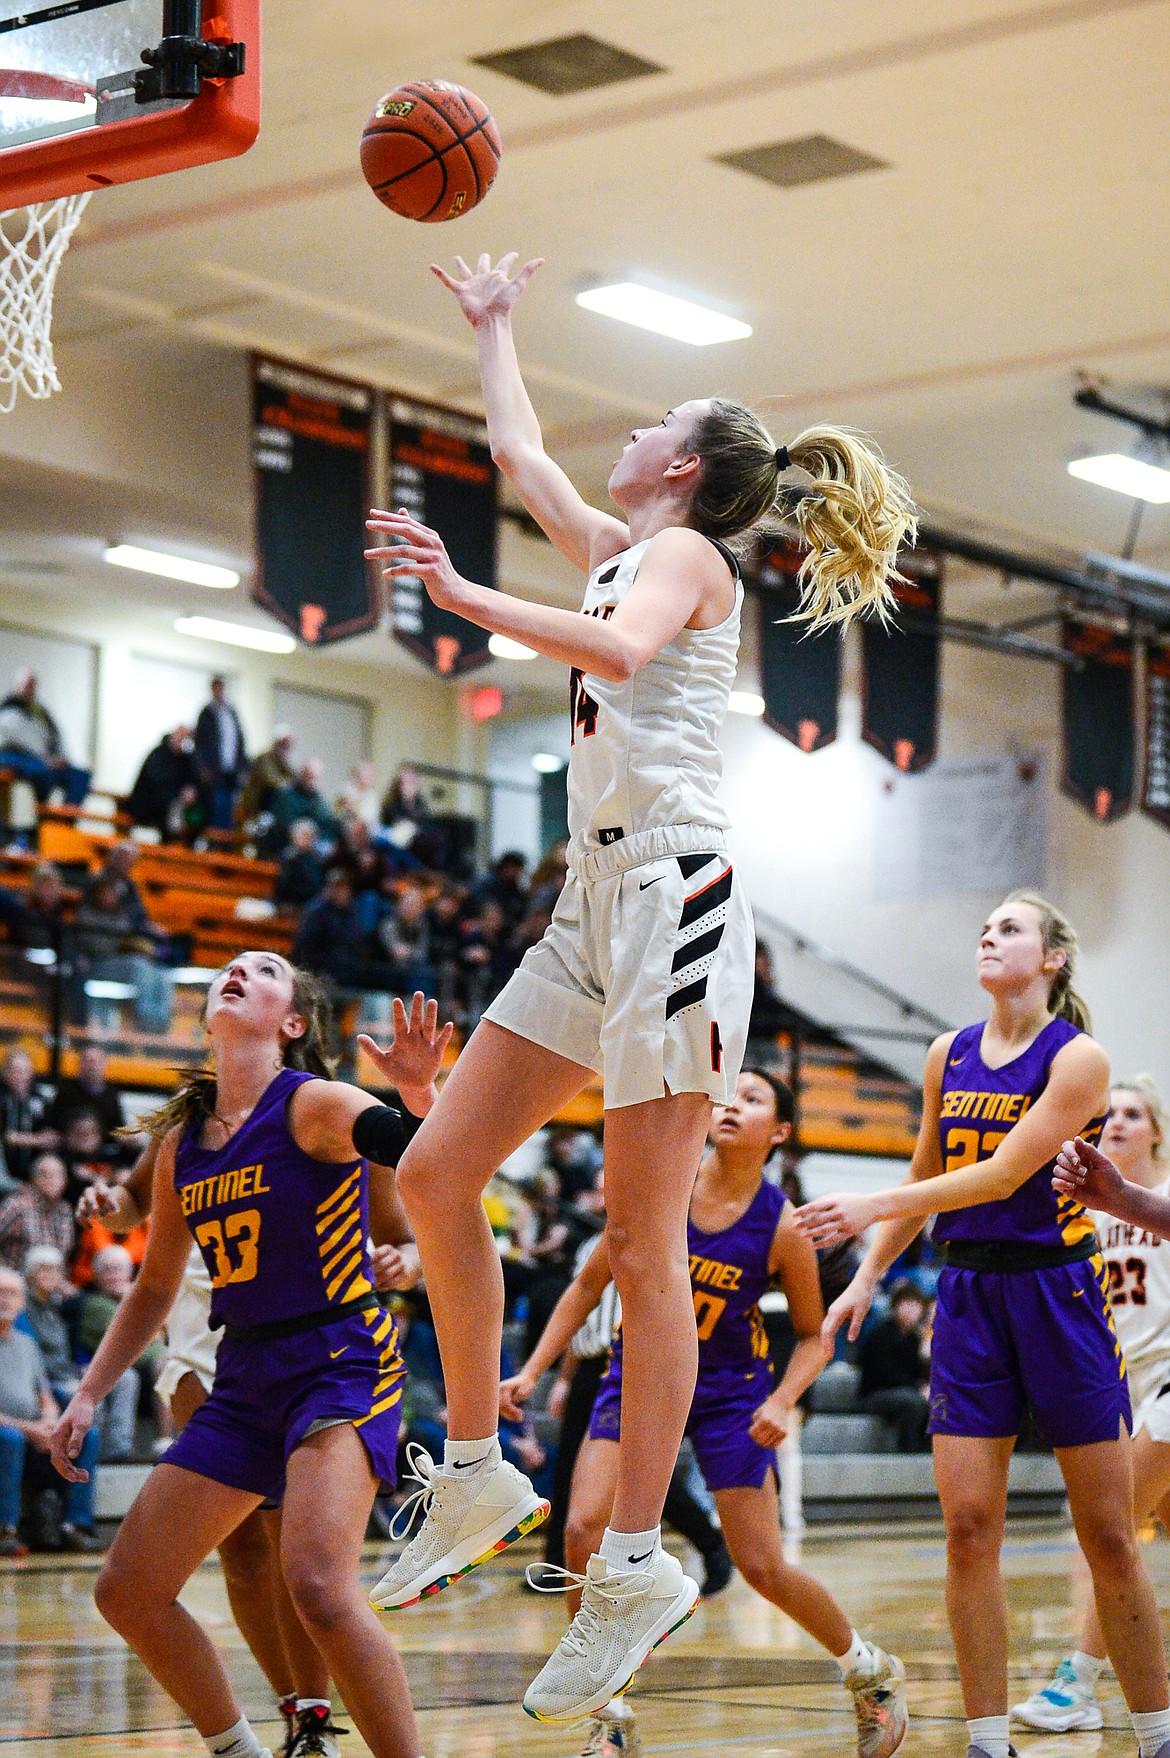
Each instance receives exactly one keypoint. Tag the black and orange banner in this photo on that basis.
(311, 457)
(900, 668)
(800, 674)
(1156, 790)
(441, 471)
(1097, 713)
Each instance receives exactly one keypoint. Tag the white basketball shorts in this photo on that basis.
(645, 973)
(191, 1343)
(1151, 1411)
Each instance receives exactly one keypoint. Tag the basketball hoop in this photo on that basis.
(32, 242)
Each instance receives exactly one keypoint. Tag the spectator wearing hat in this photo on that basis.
(31, 745)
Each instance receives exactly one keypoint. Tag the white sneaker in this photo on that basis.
(613, 1733)
(466, 1523)
(1065, 1705)
(879, 1698)
(623, 1617)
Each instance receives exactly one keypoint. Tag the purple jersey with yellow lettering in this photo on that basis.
(281, 1234)
(979, 1107)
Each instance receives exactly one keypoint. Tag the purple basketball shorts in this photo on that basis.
(721, 1416)
(268, 1396)
(1004, 1340)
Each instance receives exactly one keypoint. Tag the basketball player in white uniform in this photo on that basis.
(1136, 1138)
(646, 970)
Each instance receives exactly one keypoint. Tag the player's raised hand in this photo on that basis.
(514, 1394)
(1088, 1175)
(414, 1055)
(827, 1220)
(74, 1424)
(485, 292)
(415, 550)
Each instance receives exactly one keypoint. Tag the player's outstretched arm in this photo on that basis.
(564, 1321)
(139, 1316)
(486, 296)
(793, 1262)
(121, 1207)
(1086, 1174)
(414, 1056)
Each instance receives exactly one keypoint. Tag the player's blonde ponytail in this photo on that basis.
(1146, 1089)
(854, 513)
(1058, 935)
(195, 1100)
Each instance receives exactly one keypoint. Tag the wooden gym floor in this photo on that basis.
(738, 1678)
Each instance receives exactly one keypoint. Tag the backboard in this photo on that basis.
(79, 109)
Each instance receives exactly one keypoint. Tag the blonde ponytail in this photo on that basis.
(855, 514)
(1057, 934)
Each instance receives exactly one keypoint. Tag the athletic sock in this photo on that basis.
(461, 1457)
(235, 1742)
(857, 1657)
(1087, 1668)
(629, 1551)
(990, 1735)
(304, 1703)
(1152, 1731)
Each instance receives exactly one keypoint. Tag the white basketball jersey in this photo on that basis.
(645, 753)
(1139, 1291)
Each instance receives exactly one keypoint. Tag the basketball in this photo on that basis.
(431, 150)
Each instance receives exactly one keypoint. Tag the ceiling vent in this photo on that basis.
(810, 158)
(563, 65)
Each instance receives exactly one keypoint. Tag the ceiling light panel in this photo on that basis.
(563, 65)
(171, 567)
(1130, 476)
(808, 158)
(664, 313)
(236, 634)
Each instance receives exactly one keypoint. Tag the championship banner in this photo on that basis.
(311, 457)
(1097, 705)
(900, 668)
(1156, 791)
(800, 674)
(441, 471)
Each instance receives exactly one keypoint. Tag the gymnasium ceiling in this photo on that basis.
(1019, 233)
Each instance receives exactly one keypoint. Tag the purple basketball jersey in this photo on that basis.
(281, 1234)
(979, 1107)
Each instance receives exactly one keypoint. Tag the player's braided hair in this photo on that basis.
(1058, 935)
(854, 513)
(1146, 1089)
(195, 1100)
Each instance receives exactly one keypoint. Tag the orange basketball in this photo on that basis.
(430, 151)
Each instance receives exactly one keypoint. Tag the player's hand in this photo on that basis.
(396, 1268)
(68, 1436)
(850, 1307)
(100, 1200)
(485, 292)
(415, 550)
(414, 1054)
(830, 1219)
(514, 1394)
(1088, 1175)
(771, 1422)
(558, 1398)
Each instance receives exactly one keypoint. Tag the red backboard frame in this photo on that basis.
(220, 123)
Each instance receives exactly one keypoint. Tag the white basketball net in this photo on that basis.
(32, 242)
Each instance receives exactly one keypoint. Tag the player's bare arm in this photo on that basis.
(1086, 1174)
(793, 1262)
(564, 1321)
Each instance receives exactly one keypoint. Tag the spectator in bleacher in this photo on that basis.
(769, 1015)
(31, 746)
(548, 881)
(329, 941)
(33, 918)
(28, 1414)
(37, 1214)
(299, 798)
(404, 813)
(302, 866)
(271, 770)
(117, 869)
(113, 943)
(88, 1090)
(895, 1368)
(24, 1123)
(403, 937)
(48, 1303)
(86, 1154)
(504, 886)
(221, 760)
(373, 865)
(166, 787)
(575, 1156)
(113, 1276)
(359, 797)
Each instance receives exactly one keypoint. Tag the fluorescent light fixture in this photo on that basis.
(236, 634)
(1143, 482)
(503, 648)
(745, 702)
(171, 567)
(545, 763)
(664, 313)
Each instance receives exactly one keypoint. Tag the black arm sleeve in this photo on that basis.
(378, 1135)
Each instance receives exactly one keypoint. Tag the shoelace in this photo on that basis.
(312, 1739)
(614, 1588)
(427, 1475)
